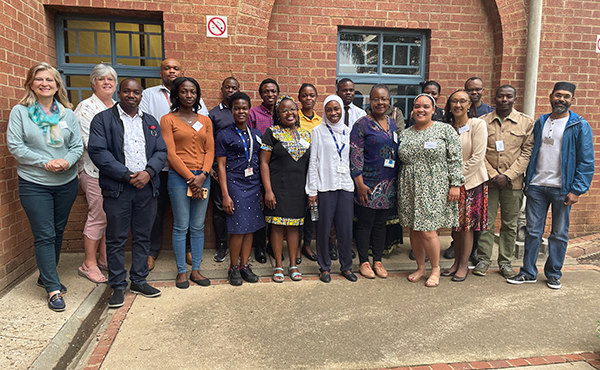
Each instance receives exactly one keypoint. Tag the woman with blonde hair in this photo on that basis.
(43, 136)
(103, 80)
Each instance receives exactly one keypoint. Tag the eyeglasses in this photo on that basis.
(461, 101)
(377, 100)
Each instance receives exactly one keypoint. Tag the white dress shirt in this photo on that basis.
(134, 141)
(323, 172)
(85, 112)
(354, 114)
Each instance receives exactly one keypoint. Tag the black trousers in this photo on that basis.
(134, 209)
(335, 207)
(370, 227)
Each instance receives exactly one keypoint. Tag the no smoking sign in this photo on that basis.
(598, 44)
(216, 26)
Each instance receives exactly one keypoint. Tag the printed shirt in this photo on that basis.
(134, 141)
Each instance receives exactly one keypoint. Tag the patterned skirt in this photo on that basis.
(473, 209)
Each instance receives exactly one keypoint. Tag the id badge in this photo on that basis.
(499, 145)
(248, 172)
(396, 137)
(259, 139)
(341, 169)
(430, 145)
(389, 163)
(63, 125)
(197, 126)
(463, 129)
(549, 141)
(304, 143)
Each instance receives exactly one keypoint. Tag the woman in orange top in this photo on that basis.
(191, 151)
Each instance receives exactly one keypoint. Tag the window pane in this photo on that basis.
(415, 57)
(78, 89)
(103, 43)
(400, 71)
(400, 39)
(358, 53)
(156, 28)
(87, 43)
(401, 56)
(388, 55)
(155, 47)
(131, 27)
(85, 24)
(123, 45)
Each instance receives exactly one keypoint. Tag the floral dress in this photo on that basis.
(290, 153)
(431, 162)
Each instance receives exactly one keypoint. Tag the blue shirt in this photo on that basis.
(484, 109)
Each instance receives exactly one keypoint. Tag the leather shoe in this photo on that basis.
(333, 254)
(411, 256)
(458, 278)
(449, 253)
(188, 258)
(349, 275)
(325, 277)
(353, 254)
(447, 273)
(312, 257)
(380, 270)
(183, 284)
(259, 255)
(366, 271)
(151, 262)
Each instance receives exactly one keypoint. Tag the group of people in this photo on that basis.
(280, 169)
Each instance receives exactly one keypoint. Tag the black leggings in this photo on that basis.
(370, 227)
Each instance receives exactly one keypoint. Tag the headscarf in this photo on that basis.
(427, 95)
(338, 127)
(48, 121)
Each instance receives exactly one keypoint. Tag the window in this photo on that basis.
(134, 48)
(396, 59)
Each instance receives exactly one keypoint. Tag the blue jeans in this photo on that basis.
(187, 213)
(48, 208)
(539, 199)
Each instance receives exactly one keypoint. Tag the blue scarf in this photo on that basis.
(48, 122)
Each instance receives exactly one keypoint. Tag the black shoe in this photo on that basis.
(553, 283)
(333, 254)
(349, 275)
(325, 277)
(298, 261)
(234, 276)
(521, 279)
(145, 289)
(449, 253)
(259, 255)
(56, 302)
(201, 282)
(220, 254)
(183, 284)
(473, 257)
(40, 283)
(353, 254)
(312, 257)
(116, 299)
(248, 275)
(411, 255)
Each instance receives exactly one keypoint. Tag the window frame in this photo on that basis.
(364, 78)
(82, 69)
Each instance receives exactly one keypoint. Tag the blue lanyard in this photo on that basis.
(248, 156)
(339, 150)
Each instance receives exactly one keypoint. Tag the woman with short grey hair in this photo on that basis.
(103, 80)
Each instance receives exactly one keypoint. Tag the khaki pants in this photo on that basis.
(510, 205)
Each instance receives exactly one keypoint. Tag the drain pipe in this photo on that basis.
(533, 57)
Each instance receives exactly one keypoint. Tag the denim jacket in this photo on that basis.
(106, 149)
(577, 154)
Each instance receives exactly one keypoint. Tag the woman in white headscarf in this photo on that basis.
(330, 187)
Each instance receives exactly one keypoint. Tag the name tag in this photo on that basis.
(549, 141)
(341, 169)
(259, 139)
(248, 172)
(63, 124)
(389, 163)
(430, 145)
(197, 126)
(463, 129)
(396, 137)
(304, 143)
(499, 145)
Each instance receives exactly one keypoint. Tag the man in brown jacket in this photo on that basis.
(510, 141)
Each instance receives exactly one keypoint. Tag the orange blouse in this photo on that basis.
(188, 149)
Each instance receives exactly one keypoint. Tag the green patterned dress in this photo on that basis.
(431, 162)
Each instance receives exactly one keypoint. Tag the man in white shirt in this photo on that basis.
(560, 170)
(157, 102)
(352, 113)
(127, 147)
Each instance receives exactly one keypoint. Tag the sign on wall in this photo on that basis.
(216, 26)
(598, 44)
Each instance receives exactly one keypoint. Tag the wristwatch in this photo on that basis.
(204, 173)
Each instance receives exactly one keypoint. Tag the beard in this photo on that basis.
(560, 108)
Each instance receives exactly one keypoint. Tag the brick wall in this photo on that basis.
(294, 41)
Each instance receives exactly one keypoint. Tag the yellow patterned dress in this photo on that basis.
(290, 152)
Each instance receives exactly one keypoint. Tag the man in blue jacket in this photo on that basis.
(560, 170)
(127, 147)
